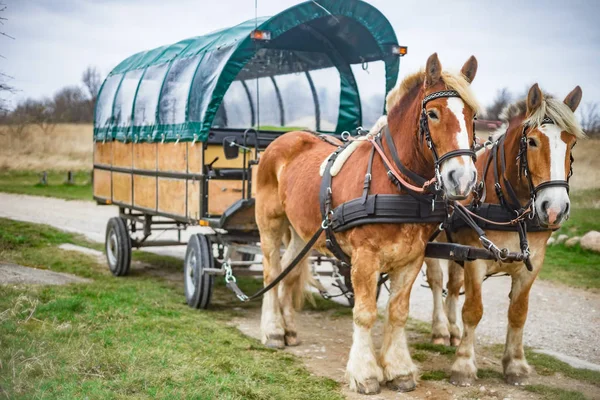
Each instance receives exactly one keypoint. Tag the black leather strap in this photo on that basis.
(386, 209)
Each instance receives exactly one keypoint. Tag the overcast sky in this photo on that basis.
(555, 42)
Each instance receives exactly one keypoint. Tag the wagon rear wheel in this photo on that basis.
(118, 246)
(198, 285)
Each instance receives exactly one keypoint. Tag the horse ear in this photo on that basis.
(574, 98)
(469, 70)
(534, 99)
(433, 70)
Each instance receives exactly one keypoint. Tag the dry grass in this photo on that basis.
(70, 147)
(66, 147)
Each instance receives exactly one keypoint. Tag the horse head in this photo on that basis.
(550, 130)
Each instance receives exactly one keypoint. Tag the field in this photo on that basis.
(135, 337)
(59, 148)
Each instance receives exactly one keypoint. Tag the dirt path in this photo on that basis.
(561, 319)
(326, 343)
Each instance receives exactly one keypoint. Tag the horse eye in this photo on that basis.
(532, 143)
(432, 115)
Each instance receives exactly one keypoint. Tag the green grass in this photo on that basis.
(435, 348)
(437, 375)
(551, 393)
(26, 182)
(127, 338)
(574, 266)
(548, 365)
(486, 373)
(419, 356)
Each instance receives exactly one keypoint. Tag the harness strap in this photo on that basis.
(368, 176)
(419, 180)
(396, 174)
(243, 297)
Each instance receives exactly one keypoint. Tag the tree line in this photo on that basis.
(71, 104)
(589, 113)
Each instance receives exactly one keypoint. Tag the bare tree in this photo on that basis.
(92, 81)
(590, 119)
(502, 99)
(5, 87)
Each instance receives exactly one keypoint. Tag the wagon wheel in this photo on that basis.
(198, 285)
(118, 246)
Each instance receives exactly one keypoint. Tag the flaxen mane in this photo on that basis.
(552, 108)
(453, 82)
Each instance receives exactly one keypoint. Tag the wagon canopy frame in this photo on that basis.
(174, 92)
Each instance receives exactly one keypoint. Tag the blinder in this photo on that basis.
(524, 165)
(425, 134)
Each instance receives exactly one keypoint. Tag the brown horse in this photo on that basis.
(549, 130)
(287, 210)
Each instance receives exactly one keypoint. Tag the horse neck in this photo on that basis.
(403, 122)
(512, 143)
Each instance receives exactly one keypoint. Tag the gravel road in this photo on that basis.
(562, 320)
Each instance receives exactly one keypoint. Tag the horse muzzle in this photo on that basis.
(459, 182)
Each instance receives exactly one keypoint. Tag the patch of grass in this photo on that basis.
(419, 356)
(128, 338)
(487, 373)
(548, 365)
(435, 348)
(572, 266)
(418, 326)
(552, 393)
(28, 182)
(437, 375)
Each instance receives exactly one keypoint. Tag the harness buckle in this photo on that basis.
(438, 179)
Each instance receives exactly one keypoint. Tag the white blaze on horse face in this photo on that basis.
(459, 173)
(553, 201)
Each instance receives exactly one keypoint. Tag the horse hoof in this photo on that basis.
(275, 342)
(443, 340)
(370, 386)
(454, 341)
(516, 380)
(291, 339)
(402, 384)
(461, 379)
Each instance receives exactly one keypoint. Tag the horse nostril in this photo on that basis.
(567, 209)
(452, 177)
(545, 205)
(474, 176)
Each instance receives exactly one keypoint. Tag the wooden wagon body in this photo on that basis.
(167, 119)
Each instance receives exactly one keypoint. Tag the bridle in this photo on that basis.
(423, 185)
(524, 165)
(425, 134)
(522, 212)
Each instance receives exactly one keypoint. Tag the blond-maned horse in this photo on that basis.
(549, 146)
(287, 212)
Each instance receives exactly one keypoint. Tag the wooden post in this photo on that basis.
(70, 178)
(44, 178)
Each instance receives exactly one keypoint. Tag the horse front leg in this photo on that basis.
(464, 369)
(398, 368)
(516, 369)
(363, 372)
(456, 278)
(439, 320)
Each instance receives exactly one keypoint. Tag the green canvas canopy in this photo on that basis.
(303, 76)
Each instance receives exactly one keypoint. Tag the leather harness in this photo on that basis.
(501, 217)
(423, 204)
